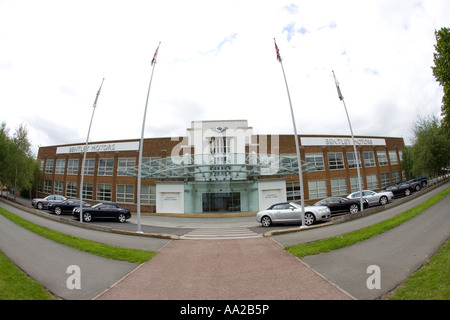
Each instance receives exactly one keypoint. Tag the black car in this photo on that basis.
(339, 204)
(403, 188)
(422, 180)
(66, 206)
(103, 210)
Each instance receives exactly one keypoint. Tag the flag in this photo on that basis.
(98, 93)
(154, 57)
(278, 51)
(337, 87)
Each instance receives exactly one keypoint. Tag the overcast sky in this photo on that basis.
(216, 61)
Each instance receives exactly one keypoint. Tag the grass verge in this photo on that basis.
(431, 282)
(348, 239)
(96, 248)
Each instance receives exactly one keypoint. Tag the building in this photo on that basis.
(219, 166)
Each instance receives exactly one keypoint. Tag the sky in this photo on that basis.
(217, 61)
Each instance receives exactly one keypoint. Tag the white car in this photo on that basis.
(290, 212)
(44, 202)
(374, 198)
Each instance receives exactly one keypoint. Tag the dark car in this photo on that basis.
(340, 205)
(66, 206)
(103, 210)
(42, 203)
(422, 180)
(403, 188)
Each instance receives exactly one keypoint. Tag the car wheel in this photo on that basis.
(122, 218)
(407, 192)
(417, 187)
(266, 221)
(354, 208)
(309, 218)
(383, 200)
(87, 217)
(40, 206)
(58, 210)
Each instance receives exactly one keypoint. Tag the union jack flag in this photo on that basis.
(154, 57)
(278, 51)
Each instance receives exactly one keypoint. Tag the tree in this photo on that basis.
(17, 165)
(431, 149)
(408, 162)
(441, 72)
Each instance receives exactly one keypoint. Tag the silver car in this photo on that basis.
(290, 212)
(374, 198)
(43, 203)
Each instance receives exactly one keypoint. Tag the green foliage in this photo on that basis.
(17, 164)
(441, 72)
(431, 149)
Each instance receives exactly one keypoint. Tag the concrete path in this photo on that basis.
(245, 269)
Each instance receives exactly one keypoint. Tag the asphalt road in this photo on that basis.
(397, 253)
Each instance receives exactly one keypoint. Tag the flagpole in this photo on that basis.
(341, 97)
(300, 171)
(141, 145)
(85, 151)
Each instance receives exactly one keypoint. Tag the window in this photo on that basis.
(354, 185)
(369, 159)
(352, 161)
(87, 190)
(385, 179)
(317, 188)
(105, 167)
(396, 176)
(393, 157)
(338, 186)
(372, 181)
(293, 191)
(47, 186)
(126, 166)
(150, 165)
(72, 166)
(59, 185)
(49, 166)
(71, 189)
(60, 166)
(104, 191)
(314, 162)
(148, 195)
(89, 167)
(41, 165)
(336, 161)
(382, 158)
(125, 193)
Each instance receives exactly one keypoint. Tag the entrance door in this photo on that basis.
(221, 202)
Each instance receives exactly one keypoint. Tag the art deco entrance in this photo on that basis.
(221, 202)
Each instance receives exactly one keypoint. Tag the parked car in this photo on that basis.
(374, 198)
(66, 206)
(44, 202)
(103, 210)
(404, 188)
(422, 180)
(290, 212)
(339, 204)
